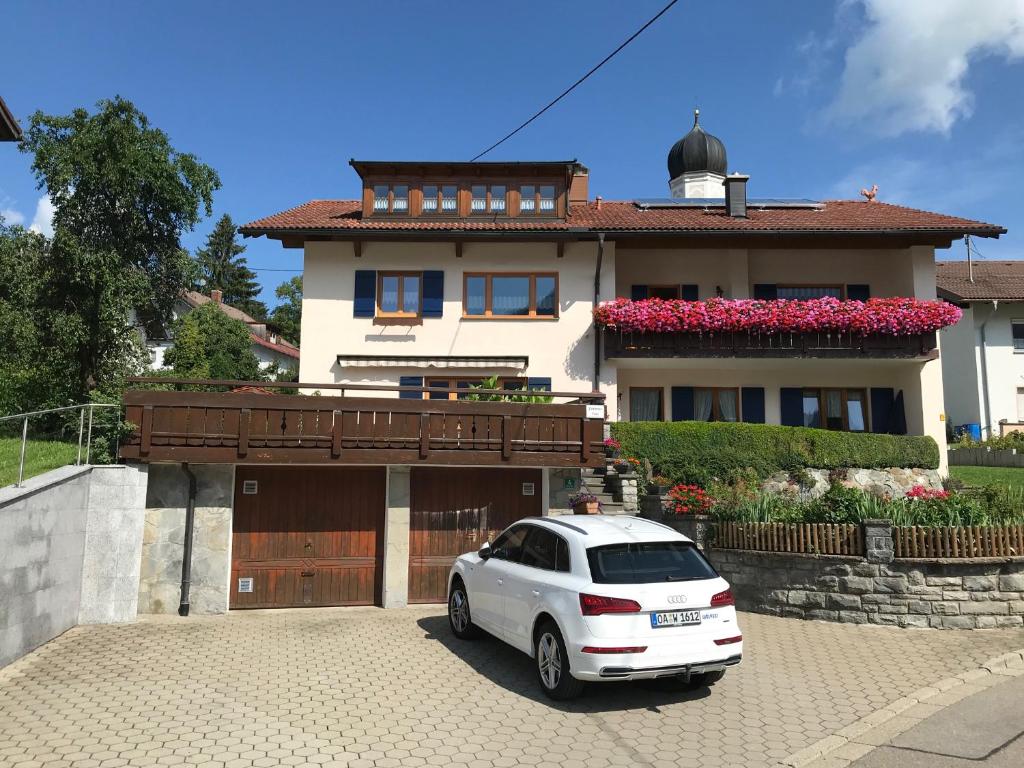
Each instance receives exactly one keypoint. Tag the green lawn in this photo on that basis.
(40, 456)
(1008, 476)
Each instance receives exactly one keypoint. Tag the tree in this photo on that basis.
(122, 197)
(287, 315)
(221, 265)
(210, 345)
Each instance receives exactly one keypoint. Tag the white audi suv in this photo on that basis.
(596, 598)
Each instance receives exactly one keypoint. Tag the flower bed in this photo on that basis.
(886, 317)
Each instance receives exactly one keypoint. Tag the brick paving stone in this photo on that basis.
(365, 687)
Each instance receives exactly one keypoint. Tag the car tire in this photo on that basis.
(552, 661)
(459, 617)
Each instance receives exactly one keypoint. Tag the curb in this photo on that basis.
(860, 737)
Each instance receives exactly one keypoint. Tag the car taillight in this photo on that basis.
(723, 599)
(629, 649)
(729, 640)
(595, 605)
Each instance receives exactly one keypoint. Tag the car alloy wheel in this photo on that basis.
(549, 661)
(458, 611)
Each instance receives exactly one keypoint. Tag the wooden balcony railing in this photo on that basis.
(779, 345)
(252, 428)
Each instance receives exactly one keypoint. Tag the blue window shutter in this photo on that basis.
(858, 292)
(881, 409)
(365, 301)
(433, 293)
(766, 291)
(791, 402)
(410, 381)
(682, 403)
(540, 383)
(639, 292)
(752, 403)
(689, 292)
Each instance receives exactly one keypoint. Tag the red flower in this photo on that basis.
(683, 499)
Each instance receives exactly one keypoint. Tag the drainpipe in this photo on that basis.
(186, 555)
(984, 373)
(597, 300)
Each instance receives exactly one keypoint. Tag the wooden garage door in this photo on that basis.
(307, 536)
(456, 510)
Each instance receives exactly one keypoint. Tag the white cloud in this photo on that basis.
(42, 222)
(907, 71)
(11, 217)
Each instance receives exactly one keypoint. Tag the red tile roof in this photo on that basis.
(196, 299)
(1003, 280)
(281, 346)
(624, 216)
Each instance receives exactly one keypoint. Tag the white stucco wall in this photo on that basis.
(562, 348)
(962, 366)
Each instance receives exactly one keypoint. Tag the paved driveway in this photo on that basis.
(365, 687)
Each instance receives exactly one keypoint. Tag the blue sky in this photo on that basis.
(812, 98)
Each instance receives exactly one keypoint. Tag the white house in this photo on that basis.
(983, 354)
(267, 343)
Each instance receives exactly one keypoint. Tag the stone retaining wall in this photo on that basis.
(944, 594)
(895, 481)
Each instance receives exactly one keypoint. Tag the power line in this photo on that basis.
(572, 87)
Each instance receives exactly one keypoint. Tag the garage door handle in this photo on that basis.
(307, 573)
(536, 593)
(500, 582)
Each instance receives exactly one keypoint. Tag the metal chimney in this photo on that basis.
(736, 195)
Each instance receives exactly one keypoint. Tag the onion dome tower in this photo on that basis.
(697, 164)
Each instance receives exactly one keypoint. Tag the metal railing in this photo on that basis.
(84, 430)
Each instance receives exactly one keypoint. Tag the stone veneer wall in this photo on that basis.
(944, 594)
(164, 538)
(894, 481)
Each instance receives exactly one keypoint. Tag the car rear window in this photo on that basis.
(648, 563)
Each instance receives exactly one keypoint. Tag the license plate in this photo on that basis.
(674, 618)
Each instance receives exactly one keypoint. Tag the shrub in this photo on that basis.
(700, 452)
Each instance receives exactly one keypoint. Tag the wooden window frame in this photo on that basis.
(439, 210)
(452, 382)
(845, 394)
(401, 275)
(488, 295)
(537, 211)
(841, 287)
(489, 197)
(661, 400)
(391, 198)
(716, 410)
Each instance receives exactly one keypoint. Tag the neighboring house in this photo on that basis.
(9, 128)
(445, 272)
(983, 354)
(267, 343)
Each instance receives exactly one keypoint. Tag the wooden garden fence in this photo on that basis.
(808, 538)
(969, 541)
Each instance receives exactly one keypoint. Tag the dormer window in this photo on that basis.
(390, 198)
(488, 198)
(537, 199)
(443, 198)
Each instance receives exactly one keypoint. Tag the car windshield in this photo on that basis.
(648, 563)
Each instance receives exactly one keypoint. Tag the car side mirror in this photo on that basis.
(485, 551)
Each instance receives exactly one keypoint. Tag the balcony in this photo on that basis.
(246, 427)
(621, 345)
(826, 328)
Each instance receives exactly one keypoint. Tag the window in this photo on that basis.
(1020, 406)
(509, 546)
(488, 199)
(716, 404)
(496, 201)
(510, 295)
(441, 198)
(809, 291)
(466, 385)
(648, 563)
(645, 404)
(399, 294)
(835, 409)
(663, 291)
(537, 199)
(562, 562)
(390, 198)
(539, 549)
(430, 198)
(1017, 327)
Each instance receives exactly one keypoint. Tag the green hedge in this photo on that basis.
(695, 451)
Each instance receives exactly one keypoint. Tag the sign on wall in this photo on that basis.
(245, 585)
(528, 489)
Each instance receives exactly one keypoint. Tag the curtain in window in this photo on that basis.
(430, 203)
(727, 404)
(833, 409)
(389, 293)
(702, 404)
(643, 405)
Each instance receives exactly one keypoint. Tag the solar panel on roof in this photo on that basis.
(719, 202)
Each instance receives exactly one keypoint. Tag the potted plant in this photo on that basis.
(687, 509)
(627, 465)
(585, 504)
(659, 485)
(611, 447)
